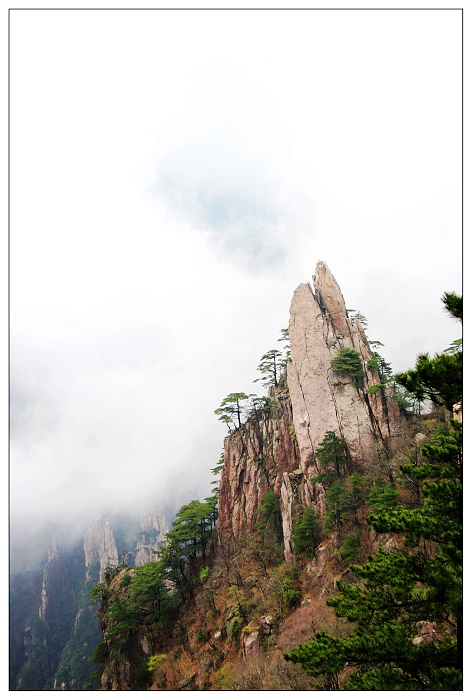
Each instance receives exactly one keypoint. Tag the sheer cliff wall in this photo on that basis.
(276, 452)
(258, 457)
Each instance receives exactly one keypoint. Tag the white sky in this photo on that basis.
(174, 176)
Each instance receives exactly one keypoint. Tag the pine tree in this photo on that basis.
(332, 452)
(232, 410)
(307, 533)
(348, 361)
(271, 367)
(438, 378)
(382, 495)
(270, 521)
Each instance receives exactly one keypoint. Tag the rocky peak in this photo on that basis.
(276, 453)
(330, 299)
(321, 399)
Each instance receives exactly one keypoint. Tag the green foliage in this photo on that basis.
(155, 661)
(349, 552)
(307, 533)
(348, 361)
(337, 498)
(270, 520)
(204, 573)
(373, 364)
(259, 405)
(455, 346)
(453, 304)
(382, 495)
(231, 410)
(285, 338)
(237, 408)
(404, 398)
(343, 497)
(357, 487)
(144, 675)
(271, 366)
(437, 378)
(384, 368)
(59, 646)
(273, 363)
(98, 592)
(99, 653)
(332, 452)
(235, 625)
(142, 597)
(291, 596)
(374, 389)
(352, 313)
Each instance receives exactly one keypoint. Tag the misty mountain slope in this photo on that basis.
(53, 625)
(303, 476)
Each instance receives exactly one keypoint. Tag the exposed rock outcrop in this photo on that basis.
(257, 456)
(99, 542)
(152, 530)
(53, 578)
(276, 451)
(321, 399)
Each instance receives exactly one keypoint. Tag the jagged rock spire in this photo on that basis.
(329, 297)
(322, 400)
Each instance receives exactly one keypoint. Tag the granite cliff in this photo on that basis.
(277, 452)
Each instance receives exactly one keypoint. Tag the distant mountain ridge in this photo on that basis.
(53, 626)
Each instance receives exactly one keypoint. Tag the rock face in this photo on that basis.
(120, 672)
(99, 542)
(152, 530)
(257, 458)
(321, 399)
(276, 451)
(56, 585)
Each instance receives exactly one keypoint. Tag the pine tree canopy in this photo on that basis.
(348, 361)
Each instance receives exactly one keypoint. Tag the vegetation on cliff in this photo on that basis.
(219, 612)
(407, 606)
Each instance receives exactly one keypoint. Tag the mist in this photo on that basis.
(174, 178)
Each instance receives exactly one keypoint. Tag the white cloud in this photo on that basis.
(174, 177)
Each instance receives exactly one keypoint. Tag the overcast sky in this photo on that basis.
(174, 176)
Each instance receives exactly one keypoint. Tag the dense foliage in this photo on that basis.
(147, 595)
(332, 452)
(348, 361)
